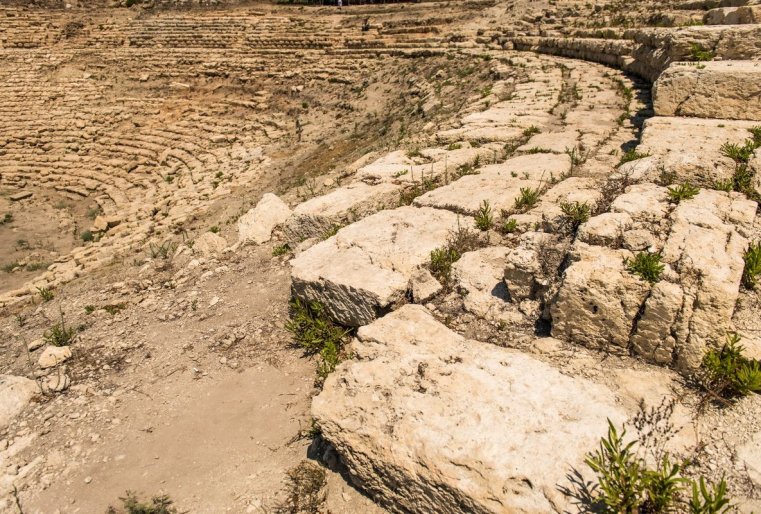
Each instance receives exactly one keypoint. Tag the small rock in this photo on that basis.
(54, 355)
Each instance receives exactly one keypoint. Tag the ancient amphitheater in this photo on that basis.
(392, 257)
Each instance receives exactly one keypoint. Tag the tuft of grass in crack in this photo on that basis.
(682, 192)
(131, 504)
(631, 155)
(646, 265)
(484, 217)
(727, 374)
(460, 241)
(317, 334)
(46, 294)
(752, 270)
(527, 199)
(575, 213)
(280, 250)
(700, 53)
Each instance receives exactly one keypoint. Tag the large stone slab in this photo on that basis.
(427, 421)
(691, 147)
(717, 89)
(499, 184)
(257, 224)
(344, 205)
(733, 15)
(365, 269)
(15, 394)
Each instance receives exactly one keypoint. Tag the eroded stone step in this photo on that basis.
(409, 417)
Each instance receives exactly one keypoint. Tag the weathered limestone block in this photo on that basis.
(523, 272)
(209, 244)
(653, 339)
(479, 274)
(15, 394)
(257, 224)
(572, 190)
(365, 269)
(643, 203)
(598, 300)
(716, 89)
(607, 229)
(407, 418)
(733, 15)
(499, 184)
(691, 147)
(555, 142)
(705, 248)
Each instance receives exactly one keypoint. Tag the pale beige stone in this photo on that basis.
(408, 419)
(257, 224)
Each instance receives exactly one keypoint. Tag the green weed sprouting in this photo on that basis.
(484, 217)
(528, 198)
(631, 155)
(646, 265)
(752, 270)
(682, 192)
(726, 373)
(317, 334)
(575, 213)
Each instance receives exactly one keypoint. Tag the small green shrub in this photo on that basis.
(113, 308)
(509, 226)
(163, 250)
(700, 54)
(532, 130)
(59, 334)
(7, 218)
(738, 153)
(303, 489)
(312, 328)
(280, 250)
(726, 373)
(527, 198)
(484, 217)
(709, 501)
(89, 309)
(36, 266)
(626, 485)
(646, 265)
(631, 155)
(132, 505)
(9, 267)
(441, 263)
(682, 192)
(752, 270)
(86, 236)
(330, 232)
(214, 229)
(724, 185)
(575, 213)
(45, 293)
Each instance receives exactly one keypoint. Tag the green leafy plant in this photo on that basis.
(280, 250)
(752, 270)
(619, 472)
(484, 217)
(214, 229)
(441, 263)
(163, 250)
(317, 334)
(682, 192)
(726, 373)
(700, 54)
(738, 153)
(86, 236)
(45, 293)
(509, 226)
(330, 232)
(575, 213)
(7, 218)
(646, 265)
(131, 504)
(59, 334)
(709, 501)
(533, 129)
(724, 185)
(631, 155)
(626, 485)
(528, 198)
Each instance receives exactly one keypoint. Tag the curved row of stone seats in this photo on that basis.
(647, 52)
(363, 272)
(734, 15)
